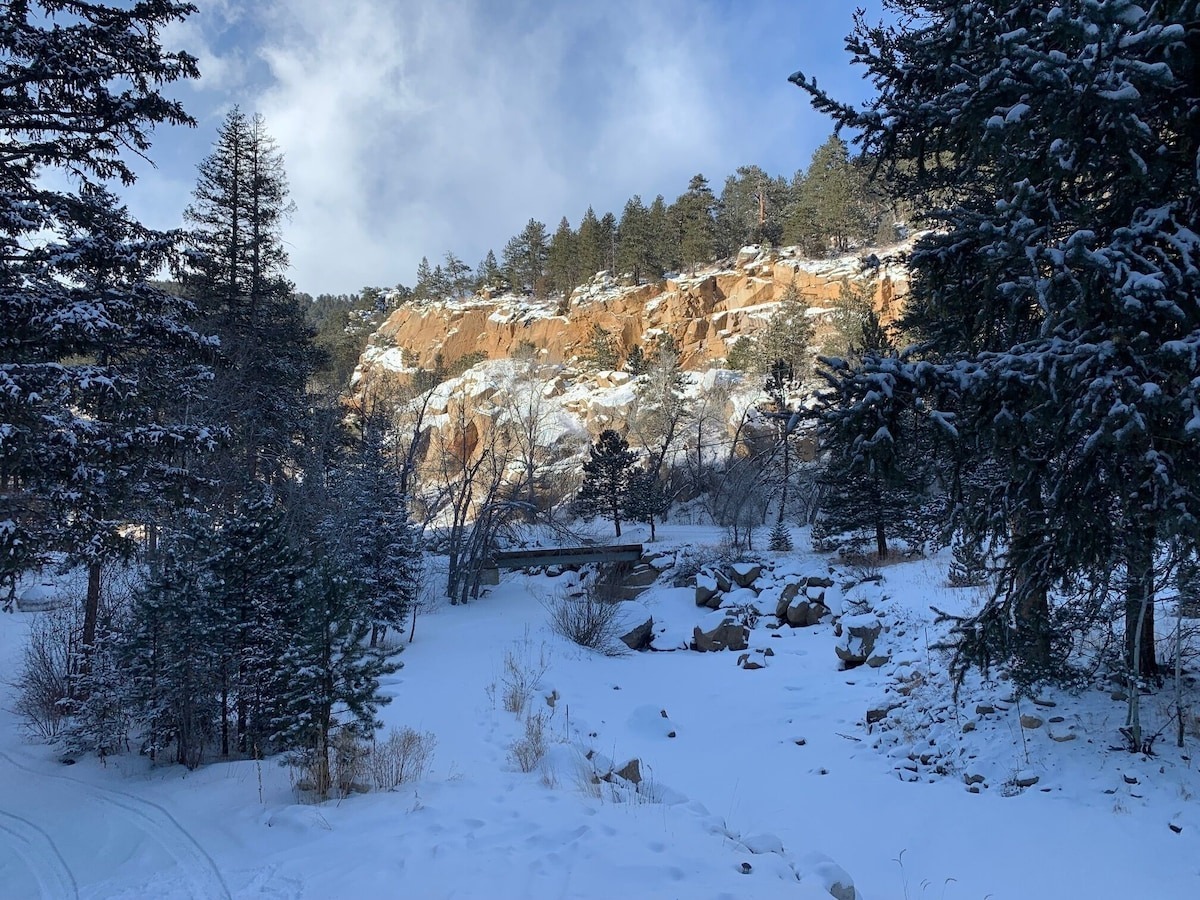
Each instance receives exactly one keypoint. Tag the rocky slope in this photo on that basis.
(704, 312)
(533, 386)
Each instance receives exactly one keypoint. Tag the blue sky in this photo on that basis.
(413, 128)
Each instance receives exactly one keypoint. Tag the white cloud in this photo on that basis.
(413, 128)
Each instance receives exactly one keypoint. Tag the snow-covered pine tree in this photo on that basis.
(605, 488)
(235, 273)
(253, 574)
(968, 565)
(175, 651)
(1055, 146)
(87, 346)
(780, 539)
(370, 525)
(874, 476)
(328, 676)
(647, 499)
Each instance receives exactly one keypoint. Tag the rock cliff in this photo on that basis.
(704, 313)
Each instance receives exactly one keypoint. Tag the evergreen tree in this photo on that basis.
(591, 246)
(664, 234)
(91, 352)
(1063, 196)
(235, 273)
(698, 233)
(647, 500)
(601, 350)
(424, 288)
(635, 363)
(457, 275)
(607, 234)
(781, 538)
(749, 210)
(635, 241)
(370, 526)
(328, 676)
(606, 479)
(525, 259)
(174, 652)
(874, 474)
(488, 275)
(786, 340)
(562, 259)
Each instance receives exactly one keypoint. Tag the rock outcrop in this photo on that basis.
(704, 313)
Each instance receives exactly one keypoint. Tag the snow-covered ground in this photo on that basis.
(754, 783)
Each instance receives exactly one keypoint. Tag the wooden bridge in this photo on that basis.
(559, 556)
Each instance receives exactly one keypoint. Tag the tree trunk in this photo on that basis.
(1139, 603)
(91, 610)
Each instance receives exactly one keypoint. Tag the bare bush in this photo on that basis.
(43, 685)
(403, 757)
(592, 618)
(523, 670)
(527, 751)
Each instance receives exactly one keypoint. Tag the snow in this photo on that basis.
(771, 776)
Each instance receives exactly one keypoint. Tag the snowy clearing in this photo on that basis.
(756, 783)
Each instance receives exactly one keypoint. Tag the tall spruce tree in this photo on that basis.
(698, 231)
(591, 245)
(525, 258)
(635, 241)
(89, 349)
(1057, 298)
(235, 274)
(562, 259)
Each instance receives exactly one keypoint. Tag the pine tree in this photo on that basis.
(606, 479)
(89, 349)
(488, 275)
(328, 676)
(664, 238)
(235, 273)
(647, 500)
(698, 232)
(875, 471)
(968, 567)
(562, 259)
(1064, 194)
(591, 246)
(635, 241)
(377, 546)
(424, 289)
(174, 651)
(525, 259)
(781, 538)
(608, 240)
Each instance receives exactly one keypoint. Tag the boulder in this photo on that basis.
(729, 635)
(792, 590)
(857, 643)
(1031, 722)
(637, 581)
(706, 589)
(631, 771)
(639, 638)
(802, 613)
(745, 574)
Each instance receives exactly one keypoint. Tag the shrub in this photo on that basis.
(43, 684)
(402, 757)
(527, 751)
(523, 670)
(591, 619)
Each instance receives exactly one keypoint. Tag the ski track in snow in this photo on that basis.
(41, 856)
(194, 863)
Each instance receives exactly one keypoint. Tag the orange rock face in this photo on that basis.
(704, 313)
